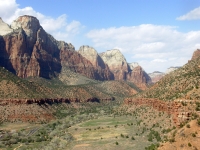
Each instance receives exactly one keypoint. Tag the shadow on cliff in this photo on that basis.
(4, 57)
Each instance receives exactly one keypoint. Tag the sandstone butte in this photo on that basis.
(26, 49)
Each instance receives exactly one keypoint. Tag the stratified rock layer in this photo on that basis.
(102, 69)
(123, 71)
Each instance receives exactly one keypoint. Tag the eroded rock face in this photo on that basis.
(102, 69)
(196, 54)
(156, 76)
(29, 51)
(125, 71)
(4, 28)
(139, 77)
(116, 63)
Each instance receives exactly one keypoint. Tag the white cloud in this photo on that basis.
(155, 47)
(192, 15)
(59, 27)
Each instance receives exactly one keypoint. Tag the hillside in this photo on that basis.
(182, 83)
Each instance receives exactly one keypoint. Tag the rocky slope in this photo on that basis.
(186, 138)
(125, 71)
(26, 99)
(181, 83)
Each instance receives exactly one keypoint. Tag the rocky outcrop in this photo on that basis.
(179, 112)
(101, 68)
(171, 69)
(156, 76)
(196, 54)
(50, 101)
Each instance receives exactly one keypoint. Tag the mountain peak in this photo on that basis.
(4, 28)
(133, 65)
(29, 24)
(196, 54)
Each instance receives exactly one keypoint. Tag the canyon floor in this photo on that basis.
(96, 127)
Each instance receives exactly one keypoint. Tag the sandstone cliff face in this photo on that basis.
(5, 29)
(27, 50)
(139, 77)
(116, 63)
(102, 69)
(123, 71)
(156, 76)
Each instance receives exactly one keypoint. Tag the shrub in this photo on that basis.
(116, 143)
(188, 125)
(193, 135)
(189, 144)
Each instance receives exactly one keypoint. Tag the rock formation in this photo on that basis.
(196, 54)
(27, 50)
(139, 77)
(123, 71)
(116, 63)
(102, 69)
(171, 69)
(5, 29)
(156, 76)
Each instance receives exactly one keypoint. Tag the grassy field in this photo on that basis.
(108, 133)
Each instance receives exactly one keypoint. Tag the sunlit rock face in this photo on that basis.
(4, 28)
(156, 76)
(102, 69)
(28, 50)
(125, 71)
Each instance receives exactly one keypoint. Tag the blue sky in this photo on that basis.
(155, 33)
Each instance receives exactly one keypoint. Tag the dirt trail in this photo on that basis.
(17, 147)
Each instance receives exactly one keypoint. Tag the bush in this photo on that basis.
(189, 144)
(133, 138)
(193, 135)
(116, 143)
(188, 125)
